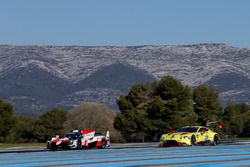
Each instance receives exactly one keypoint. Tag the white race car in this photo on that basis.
(79, 139)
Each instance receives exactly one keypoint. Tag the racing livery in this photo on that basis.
(188, 136)
(79, 139)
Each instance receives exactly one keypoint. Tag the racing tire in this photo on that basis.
(53, 147)
(79, 144)
(48, 146)
(193, 140)
(104, 144)
(216, 140)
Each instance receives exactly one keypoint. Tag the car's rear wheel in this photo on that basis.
(216, 140)
(193, 140)
(48, 146)
(53, 147)
(79, 144)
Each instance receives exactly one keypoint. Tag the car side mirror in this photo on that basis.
(203, 131)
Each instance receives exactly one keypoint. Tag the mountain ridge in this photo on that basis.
(192, 64)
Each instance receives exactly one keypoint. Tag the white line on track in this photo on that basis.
(222, 155)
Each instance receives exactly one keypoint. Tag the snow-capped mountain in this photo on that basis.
(36, 78)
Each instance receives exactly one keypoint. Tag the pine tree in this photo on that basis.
(207, 104)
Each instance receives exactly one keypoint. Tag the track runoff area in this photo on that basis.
(147, 154)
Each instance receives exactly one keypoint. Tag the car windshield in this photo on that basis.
(187, 129)
(71, 136)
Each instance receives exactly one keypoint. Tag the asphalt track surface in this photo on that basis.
(148, 154)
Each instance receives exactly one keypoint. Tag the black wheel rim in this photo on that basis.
(79, 144)
(193, 140)
(103, 143)
(215, 140)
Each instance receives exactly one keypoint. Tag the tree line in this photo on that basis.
(149, 110)
(146, 112)
(21, 129)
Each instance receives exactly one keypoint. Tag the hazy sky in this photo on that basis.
(124, 22)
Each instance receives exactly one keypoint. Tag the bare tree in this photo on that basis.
(93, 116)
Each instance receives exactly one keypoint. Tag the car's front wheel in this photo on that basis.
(104, 143)
(216, 140)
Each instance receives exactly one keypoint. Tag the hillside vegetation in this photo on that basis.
(147, 111)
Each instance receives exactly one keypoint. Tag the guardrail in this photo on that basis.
(229, 139)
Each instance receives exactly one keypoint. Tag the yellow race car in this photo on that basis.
(188, 136)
